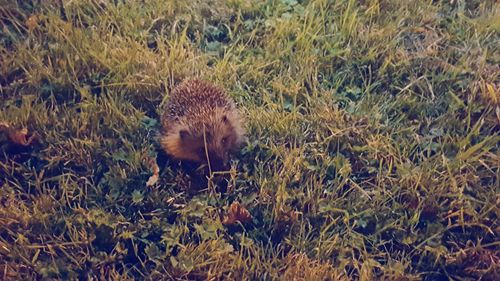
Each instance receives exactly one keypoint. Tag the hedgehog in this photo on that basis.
(201, 124)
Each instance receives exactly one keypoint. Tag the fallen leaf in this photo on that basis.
(156, 172)
(236, 213)
(32, 22)
(288, 217)
(18, 137)
(152, 180)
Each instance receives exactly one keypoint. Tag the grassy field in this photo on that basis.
(373, 140)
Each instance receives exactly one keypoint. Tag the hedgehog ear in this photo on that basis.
(183, 134)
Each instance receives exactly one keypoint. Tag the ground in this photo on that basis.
(372, 154)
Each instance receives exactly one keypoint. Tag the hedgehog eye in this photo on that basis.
(224, 119)
(183, 134)
(224, 140)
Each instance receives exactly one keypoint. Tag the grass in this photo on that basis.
(373, 149)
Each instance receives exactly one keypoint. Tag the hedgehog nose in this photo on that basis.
(219, 164)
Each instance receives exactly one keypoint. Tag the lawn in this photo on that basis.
(372, 153)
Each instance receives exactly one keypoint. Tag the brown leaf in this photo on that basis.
(236, 213)
(156, 171)
(288, 217)
(18, 137)
(32, 22)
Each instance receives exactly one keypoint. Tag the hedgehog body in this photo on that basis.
(201, 124)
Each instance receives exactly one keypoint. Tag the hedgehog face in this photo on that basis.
(213, 143)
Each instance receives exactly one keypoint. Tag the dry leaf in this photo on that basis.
(290, 216)
(18, 137)
(236, 213)
(152, 180)
(156, 172)
(32, 22)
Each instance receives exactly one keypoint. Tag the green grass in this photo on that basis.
(372, 154)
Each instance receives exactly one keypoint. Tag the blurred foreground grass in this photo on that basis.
(373, 147)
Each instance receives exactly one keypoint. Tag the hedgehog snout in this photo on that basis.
(219, 163)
